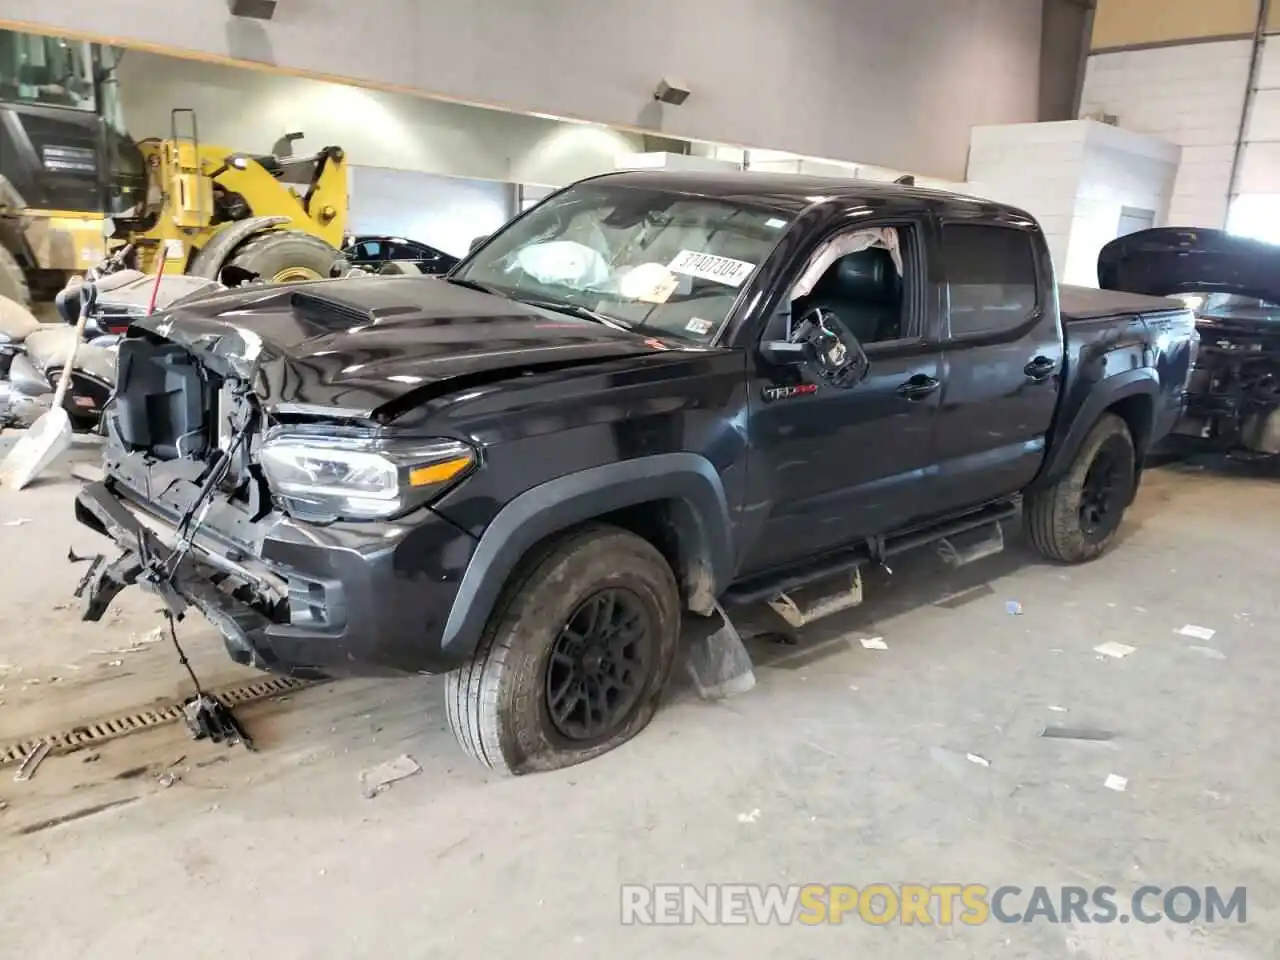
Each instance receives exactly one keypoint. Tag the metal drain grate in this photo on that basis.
(100, 731)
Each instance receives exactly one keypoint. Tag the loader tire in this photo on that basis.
(285, 256)
(13, 282)
(1076, 519)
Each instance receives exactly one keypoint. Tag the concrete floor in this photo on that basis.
(844, 765)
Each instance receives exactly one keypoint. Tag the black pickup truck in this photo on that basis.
(651, 394)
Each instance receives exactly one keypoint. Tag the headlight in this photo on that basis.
(354, 478)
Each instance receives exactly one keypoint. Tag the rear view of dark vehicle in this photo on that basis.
(1233, 285)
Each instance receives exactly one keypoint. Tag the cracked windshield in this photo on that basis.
(667, 263)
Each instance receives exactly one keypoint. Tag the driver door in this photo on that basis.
(832, 466)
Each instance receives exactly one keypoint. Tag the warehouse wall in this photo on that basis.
(892, 83)
(1077, 178)
(1181, 69)
(444, 212)
(1189, 94)
(1127, 23)
(249, 110)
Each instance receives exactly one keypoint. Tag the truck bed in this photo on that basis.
(1090, 303)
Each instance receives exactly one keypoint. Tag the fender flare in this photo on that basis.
(1105, 394)
(688, 480)
(211, 258)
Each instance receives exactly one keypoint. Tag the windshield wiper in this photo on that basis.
(574, 310)
(471, 285)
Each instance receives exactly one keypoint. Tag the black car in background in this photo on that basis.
(1233, 285)
(372, 253)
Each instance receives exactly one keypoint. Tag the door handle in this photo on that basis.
(919, 387)
(1040, 369)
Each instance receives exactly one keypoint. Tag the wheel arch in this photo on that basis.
(1132, 395)
(675, 501)
(214, 255)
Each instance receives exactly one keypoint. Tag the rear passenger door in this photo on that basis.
(1002, 360)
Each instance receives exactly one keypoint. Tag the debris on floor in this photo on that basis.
(1113, 649)
(31, 762)
(377, 779)
(874, 643)
(1113, 782)
(751, 817)
(1013, 608)
(1197, 633)
(980, 761)
(1210, 652)
(716, 659)
(1057, 709)
(1096, 734)
(16, 523)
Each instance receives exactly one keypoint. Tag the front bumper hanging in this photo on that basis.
(143, 560)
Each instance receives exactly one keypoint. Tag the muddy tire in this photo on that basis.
(574, 658)
(1077, 518)
(13, 282)
(285, 256)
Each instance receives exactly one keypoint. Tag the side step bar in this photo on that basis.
(834, 583)
(798, 609)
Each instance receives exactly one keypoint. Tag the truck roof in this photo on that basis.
(792, 193)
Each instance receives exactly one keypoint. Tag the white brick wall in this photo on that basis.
(1191, 95)
(1035, 166)
(1120, 169)
(1260, 162)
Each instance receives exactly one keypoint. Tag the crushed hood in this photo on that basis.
(348, 347)
(1171, 260)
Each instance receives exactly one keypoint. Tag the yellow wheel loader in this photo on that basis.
(73, 184)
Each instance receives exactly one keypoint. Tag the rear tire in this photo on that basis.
(541, 652)
(285, 256)
(13, 282)
(1077, 518)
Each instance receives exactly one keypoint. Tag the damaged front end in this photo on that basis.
(307, 541)
(1234, 394)
(1233, 286)
(181, 439)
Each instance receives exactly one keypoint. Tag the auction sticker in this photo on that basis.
(707, 266)
(699, 326)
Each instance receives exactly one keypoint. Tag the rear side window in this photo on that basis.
(991, 278)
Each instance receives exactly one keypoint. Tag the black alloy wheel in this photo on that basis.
(1103, 492)
(599, 665)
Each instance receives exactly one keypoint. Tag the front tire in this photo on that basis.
(1077, 518)
(285, 256)
(575, 656)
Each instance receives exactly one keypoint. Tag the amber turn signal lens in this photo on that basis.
(434, 473)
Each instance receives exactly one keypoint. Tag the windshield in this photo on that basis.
(1231, 306)
(665, 262)
(46, 71)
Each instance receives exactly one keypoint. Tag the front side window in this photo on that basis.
(859, 276)
(652, 259)
(46, 71)
(991, 278)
